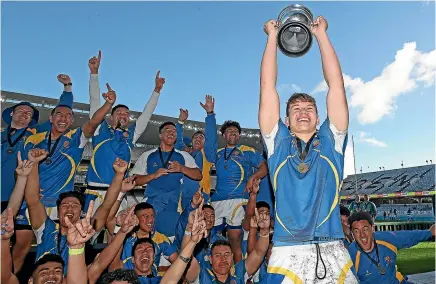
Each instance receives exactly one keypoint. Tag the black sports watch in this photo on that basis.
(185, 259)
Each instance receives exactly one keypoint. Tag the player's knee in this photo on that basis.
(23, 239)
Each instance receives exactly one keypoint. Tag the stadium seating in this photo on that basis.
(405, 212)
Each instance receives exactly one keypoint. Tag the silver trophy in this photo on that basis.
(294, 35)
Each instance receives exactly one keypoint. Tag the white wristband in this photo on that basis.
(121, 196)
(181, 122)
(188, 233)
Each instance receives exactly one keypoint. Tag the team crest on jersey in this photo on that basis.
(154, 164)
(66, 144)
(388, 259)
(315, 143)
(367, 273)
(126, 134)
(236, 153)
(219, 156)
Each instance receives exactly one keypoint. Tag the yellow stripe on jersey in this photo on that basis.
(344, 272)
(32, 130)
(205, 181)
(388, 245)
(336, 200)
(70, 133)
(357, 261)
(36, 138)
(398, 274)
(159, 238)
(73, 170)
(127, 259)
(278, 170)
(283, 271)
(236, 209)
(93, 156)
(244, 148)
(242, 173)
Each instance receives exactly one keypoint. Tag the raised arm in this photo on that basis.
(7, 227)
(269, 104)
(175, 272)
(91, 125)
(100, 217)
(211, 139)
(37, 213)
(109, 253)
(144, 118)
(23, 170)
(77, 236)
(94, 87)
(251, 205)
(183, 116)
(337, 108)
(255, 258)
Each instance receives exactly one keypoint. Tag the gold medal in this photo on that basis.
(10, 151)
(303, 168)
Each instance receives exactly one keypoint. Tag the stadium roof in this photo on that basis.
(149, 139)
(390, 183)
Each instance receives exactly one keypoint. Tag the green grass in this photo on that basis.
(417, 259)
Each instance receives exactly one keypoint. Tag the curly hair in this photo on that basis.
(119, 275)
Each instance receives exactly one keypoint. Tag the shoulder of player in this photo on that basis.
(160, 238)
(70, 133)
(244, 148)
(36, 138)
(146, 154)
(386, 236)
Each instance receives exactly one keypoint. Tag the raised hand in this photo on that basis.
(94, 63)
(64, 79)
(24, 167)
(120, 166)
(160, 172)
(184, 114)
(7, 224)
(270, 27)
(78, 234)
(175, 167)
(36, 155)
(128, 184)
(319, 26)
(110, 96)
(159, 83)
(199, 211)
(198, 227)
(209, 105)
(130, 221)
(197, 199)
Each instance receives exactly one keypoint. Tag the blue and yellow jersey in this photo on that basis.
(189, 186)
(162, 246)
(233, 165)
(9, 157)
(165, 192)
(238, 274)
(306, 204)
(58, 176)
(48, 241)
(388, 244)
(108, 144)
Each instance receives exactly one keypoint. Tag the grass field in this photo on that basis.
(417, 259)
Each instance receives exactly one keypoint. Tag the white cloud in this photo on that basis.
(377, 97)
(288, 89)
(366, 137)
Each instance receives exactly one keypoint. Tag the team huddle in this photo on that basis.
(273, 217)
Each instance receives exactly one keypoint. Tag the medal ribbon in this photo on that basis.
(380, 269)
(165, 163)
(10, 130)
(302, 153)
(49, 149)
(226, 158)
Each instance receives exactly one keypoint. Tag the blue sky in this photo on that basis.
(216, 48)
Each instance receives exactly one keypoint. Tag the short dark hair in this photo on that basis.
(208, 206)
(119, 275)
(220, 243)
(75, 194)
(142, 206)
(142, 241)
(198, 132)
(165, 124)
(360, 216)
(300, 97)
(117, 107)
(50, 257)
(230, 123)
(54, 109)
(343, 210)
(261, 204)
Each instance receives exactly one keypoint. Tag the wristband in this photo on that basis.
(181, 122)
(76, 251)
(188, 233)
(184, 259)
(68, 84)
(210, 112)
(264, 236)
(121, 196)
